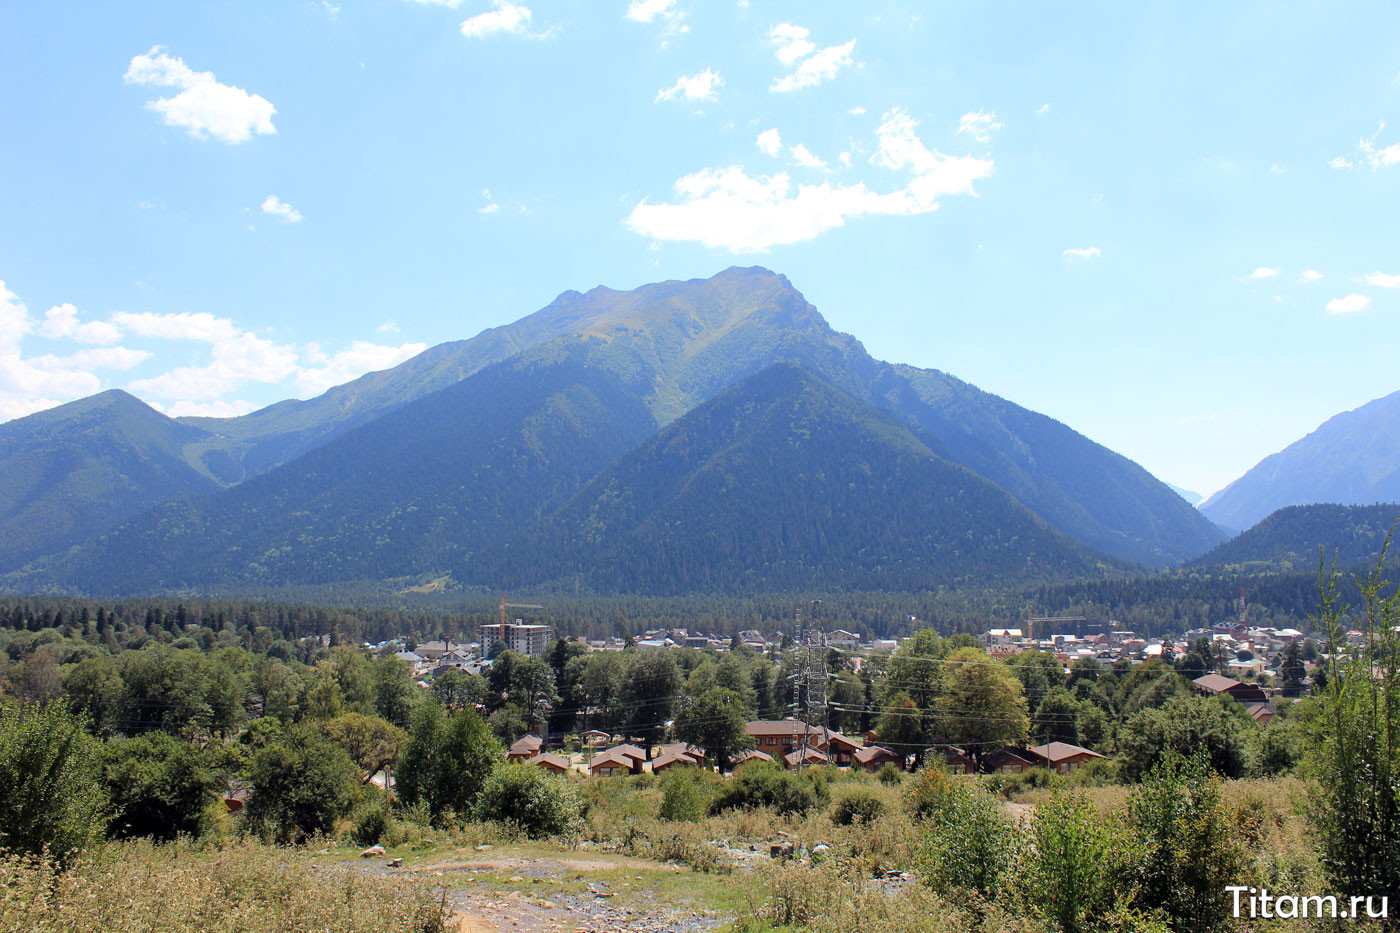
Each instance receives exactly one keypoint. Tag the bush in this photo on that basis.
(302, 786)
(684, 798)
(765, 784)
(857, 805)
(890, 776)
(50, 796)
(160, 787)
(524, 795)
(929, 793)
(1184, 853)
(967, 843)
(447, 760)
(1065, 875)
(372, 822)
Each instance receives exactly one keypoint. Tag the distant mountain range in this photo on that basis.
(1352, 459)
(1293, 538)
(636, 441)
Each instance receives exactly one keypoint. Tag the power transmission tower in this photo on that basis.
(809, 700)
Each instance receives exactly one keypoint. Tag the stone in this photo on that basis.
(372, 851)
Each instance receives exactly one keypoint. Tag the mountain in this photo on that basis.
(1195, 498)
(1292, 538)
(1352, 459)
(677, 345)
(418, 490)
(785, 482)
(85, 467)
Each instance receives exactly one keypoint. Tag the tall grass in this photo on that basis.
(243, 888)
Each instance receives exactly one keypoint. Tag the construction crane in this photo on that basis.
(505, 605)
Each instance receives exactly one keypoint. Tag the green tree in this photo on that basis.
(302, 785)
(393, 689)
(160, 786)
(373, 744)
(982, 705)
(95, 688)
(1292, 671)
(715, 721)
(1066, 871)
(650, 683)
(540, 804)
(447, 760)
(51, 797)
(458, 690)
(1219, 728)
(1057, 718)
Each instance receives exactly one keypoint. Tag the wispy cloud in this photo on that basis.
(979, 125)
(701, 86)
(1264, 272)
(1082, 252)
(813, 67)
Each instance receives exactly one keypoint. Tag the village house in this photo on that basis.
(875, 757)
(525, 748)
(1216, 685)
(556, 764)
(1062, 757)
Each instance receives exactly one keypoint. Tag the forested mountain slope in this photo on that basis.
(1292, 538)
(81, 468)
(1352, 459)
(784, 482)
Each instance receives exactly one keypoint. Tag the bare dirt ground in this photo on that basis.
(528, 892)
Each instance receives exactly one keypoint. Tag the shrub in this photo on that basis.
(929, 793)
(302, 786)
(447, 760)
(857, 805)
(1184, 853)
(372, 822)
(765, 784)
(524, 795)
(160, 786)
(50, 796)
(967, 843)
(890, 776)
(683, 797)
(1065, 874)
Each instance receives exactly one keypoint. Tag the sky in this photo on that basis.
(1172, 227)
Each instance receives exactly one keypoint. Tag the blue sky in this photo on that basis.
(1172, 228)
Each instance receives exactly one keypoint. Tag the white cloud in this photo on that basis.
(845, 159)
(646, 11)
(729, 209)
(506, 17)
(491, 208)
(281, 210)
(1311, 275)
(1369, 153)
(1348, 304)
(388, 327)
(1340, 162)
(186, 325)
(769, 143)
(1264, 272)
(792, 42)
(1382, 280)
(793, 46)
(453, 4)
(361, 357)
(1086, 252)
(219, 409)
(62, 322)
(30, 384)
(701, 86)
(857, 111)
(204, 107)
(979, 125)
(804, 157)
(1042, 110)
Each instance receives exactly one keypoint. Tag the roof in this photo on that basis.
(551, 760)
(805, 754)
(1020, 754)
(836, 738)
(612, 758)
(869, 753)
(629, 751)
(680, 748)
(673, 758)
(1216, 683)
(527, 743)
(777, 727)
(751, 754)
(1061, 751)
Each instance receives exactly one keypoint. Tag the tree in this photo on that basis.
(1039, 672)
(540, 804)
(650, 683)
(1186, 725)
(373, 744)
(94, 687)
(715, 721)
(447, 760)
(1057, 718)
(51, 799)
(160, 786)
(901, 727)
(1066, 874)
(302, 785)
(394, 692)
(982, 706)
(1292, 670)
(458, 690)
